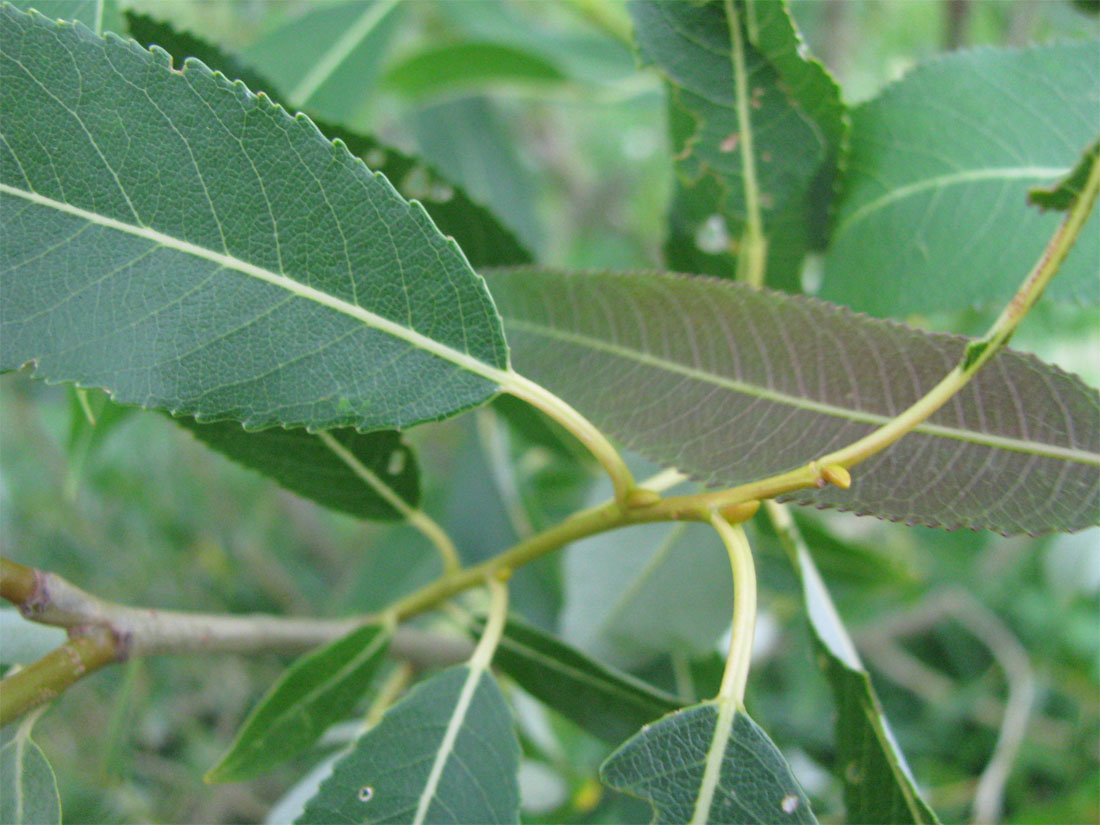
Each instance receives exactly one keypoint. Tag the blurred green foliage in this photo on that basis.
(142, 513)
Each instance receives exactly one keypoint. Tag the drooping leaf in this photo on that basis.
(605, 702)
(701, 764)
(446, 752)
(483, 239)
(218, 257)
(796, 124)
(641, 592)
(731, 385)
(28, 787)
(878, 784)
(467, 66)
(318, 690)
(1063, 193)
(935, 211)
(326, 58)
(301, 463)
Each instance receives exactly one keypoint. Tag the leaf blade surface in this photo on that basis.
(730, 385)
(187, 268)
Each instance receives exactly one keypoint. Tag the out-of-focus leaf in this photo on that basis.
(446, 752)
(730, 385)
(248, 280)
(26, 641)
(878, 785)
(469, 139)
(1063, 193)
(605, 702)
(28, 787)
(935, 211)
(301, 463)
(644, 591)
(468, 66)
(796, 123)
(708, 763)
(484, 241)
(317, 691)
(326, 60)
(97, 15)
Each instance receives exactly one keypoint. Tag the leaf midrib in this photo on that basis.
(809, 405)
(502, 377)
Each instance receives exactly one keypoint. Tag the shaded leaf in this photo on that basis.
(484, 241)
(301, 463)
(607, 703)
(878, 784)
(337, 302)
(796, 122)
(318, 690)
(453, 67)
(700, 765)
(446, 752)
(1063, 193)
(26, 641)
(28, 787)
(730, 385)
(325, 60)
(935, 211)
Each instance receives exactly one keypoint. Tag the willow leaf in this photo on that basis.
(708, 763)
(1063, 193)
(935, 211)
(318, 690)
(447, 752)
(28, 787)
(730, 385)
(187, 245)
(483, 239)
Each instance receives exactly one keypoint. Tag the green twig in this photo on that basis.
(743, 629)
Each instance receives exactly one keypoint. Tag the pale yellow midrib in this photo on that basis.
(446, 747)
(766, 394)
(712, 767)
(461, 359)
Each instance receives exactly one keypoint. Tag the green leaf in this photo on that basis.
(758, 383)
(607, 703)
(935, 212)
(796, 123)
(641, 592)
(467, 66)
(28, 787)
(708, 763)
(318, 690)
(879, 787)
(1063, 193)
(300, 462)
(218, 257)
(447, 752)
(484, 241)
(326, 59)
(26, 641)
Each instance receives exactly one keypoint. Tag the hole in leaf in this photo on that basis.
(366, 793)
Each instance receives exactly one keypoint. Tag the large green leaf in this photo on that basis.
(457, 67)
(187, 245)
(730, 384)
(484, 241)
(28, 787)
(935, 214)
(708, 763)
(605, 702)
(796, 123)
(317, 691)
(878, 784)
(301, 462)
(447, 752)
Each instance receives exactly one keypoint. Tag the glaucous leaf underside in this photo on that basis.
(731, 385)
(187, 245)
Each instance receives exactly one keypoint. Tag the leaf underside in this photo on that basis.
(665, 764)
(935, 213)
(731, 385)
(190, 246)
(387, 775)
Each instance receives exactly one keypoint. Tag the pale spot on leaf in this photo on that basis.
(789, 803)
